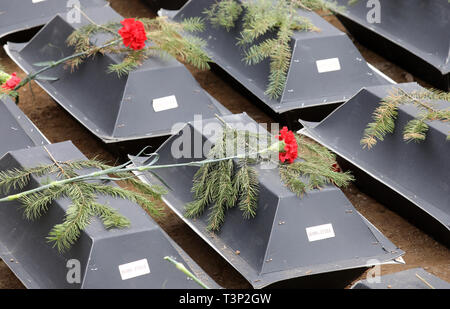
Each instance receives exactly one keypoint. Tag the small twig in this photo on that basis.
(426, 106)
(424, 281)
(54, 160)
(223, 121)
(93, 22)
(301, 5)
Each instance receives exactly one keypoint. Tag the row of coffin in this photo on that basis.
(387, 171)
(275, 249)
(411, 33)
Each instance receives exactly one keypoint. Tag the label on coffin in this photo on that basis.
(134, 269)
(320, 232)
(328, 65)
(165, 103)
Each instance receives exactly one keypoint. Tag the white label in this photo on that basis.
(165, 103)
(37, 1)
(328, 65)
(134, 269)
(320, 232)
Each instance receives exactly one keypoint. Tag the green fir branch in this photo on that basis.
(35, 205)
(262, 17)
(415, 130)
(246, 185)
(385, 115)
(224, 13)
(219, 186)
(314, 170)
(18, 178)
(222, 185)
(83, 195)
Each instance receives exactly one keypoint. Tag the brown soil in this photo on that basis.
(57, 125)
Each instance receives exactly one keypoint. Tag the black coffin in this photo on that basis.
(326, 68)
(147, 104)
(412, 33)
(104, 256)
(411, 178)
(275, 249)
(16, 130)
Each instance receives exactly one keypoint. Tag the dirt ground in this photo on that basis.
(421, 250)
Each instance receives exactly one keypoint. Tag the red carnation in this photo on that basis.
(290, 148)
(133, 33)
(336, 168)
(12, 82)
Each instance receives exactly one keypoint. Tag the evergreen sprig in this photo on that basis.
(386, 113)
(222, 185)
(224, 13)
(261, 17)
(163, 37)
(82, 194)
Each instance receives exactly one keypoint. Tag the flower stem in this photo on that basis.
(183, 269)
(124, 169)
(33, 76)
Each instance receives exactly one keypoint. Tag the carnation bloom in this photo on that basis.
(133, 33)
(336, 168)
(12, 82)
(290, 152)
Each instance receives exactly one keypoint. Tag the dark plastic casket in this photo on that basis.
(416, 278)
(146, 104)
(21, 15)
(412, 178)
(411, 33)
(16, 130)
(118, 258)
(326, 68)
(279, 246)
